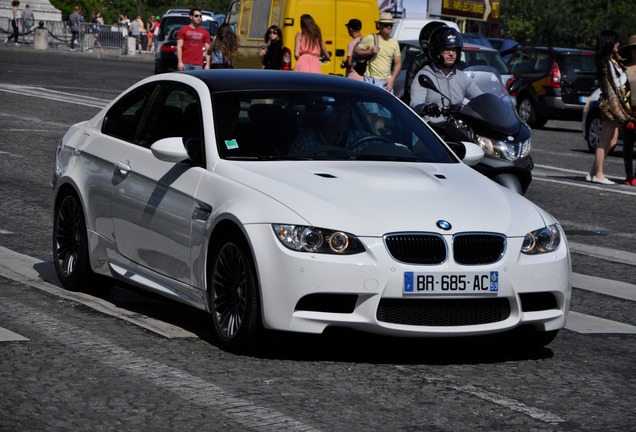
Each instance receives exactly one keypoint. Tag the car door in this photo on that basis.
(152, 200)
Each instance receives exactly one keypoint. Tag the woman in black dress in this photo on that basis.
(272, 52)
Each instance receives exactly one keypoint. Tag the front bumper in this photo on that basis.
(306, 292)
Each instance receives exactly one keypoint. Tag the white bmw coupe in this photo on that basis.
(296, 202)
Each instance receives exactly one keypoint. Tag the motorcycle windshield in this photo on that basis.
(492, 111)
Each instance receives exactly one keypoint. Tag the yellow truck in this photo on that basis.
(250, 19)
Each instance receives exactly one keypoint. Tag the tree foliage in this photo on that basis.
(112, 9)
(566, 23)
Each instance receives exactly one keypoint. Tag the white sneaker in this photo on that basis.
(604, 181)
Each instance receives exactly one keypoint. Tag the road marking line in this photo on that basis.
(622, 290)
(9, 336)
(39, 274)
(497, 399)
(227, 405)
(55, 95)
(587, 324)
(618, 188)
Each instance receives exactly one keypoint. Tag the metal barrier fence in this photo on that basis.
(91, 36)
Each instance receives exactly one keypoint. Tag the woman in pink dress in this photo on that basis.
(309, 46)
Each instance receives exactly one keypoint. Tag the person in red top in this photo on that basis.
(193, 42)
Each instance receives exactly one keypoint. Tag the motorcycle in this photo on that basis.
(490, 120)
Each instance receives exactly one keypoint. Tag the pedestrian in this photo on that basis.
(74, 21)
(152, 24)
(125, 25)
(309, 46)
(14, 22)
(193, 41)
(382, 55)
(222, 51)
(613, 102)
(135, 32)
(27, 20)
(354, 26)
(272, 52)
(97, 27)
(628, 52)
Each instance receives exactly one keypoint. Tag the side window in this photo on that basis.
(123, 118)
(174, 112)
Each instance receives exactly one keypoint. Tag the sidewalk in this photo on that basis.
(110, 53)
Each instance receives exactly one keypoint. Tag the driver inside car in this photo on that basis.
(331, 128)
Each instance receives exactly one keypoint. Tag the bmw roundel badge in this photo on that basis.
(445, 225)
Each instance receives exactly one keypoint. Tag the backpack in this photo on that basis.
(360, 63)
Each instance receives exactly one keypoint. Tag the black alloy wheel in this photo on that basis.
(70, 244)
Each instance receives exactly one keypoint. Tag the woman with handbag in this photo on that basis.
(223, 48)
(628, 52)
(613, 102)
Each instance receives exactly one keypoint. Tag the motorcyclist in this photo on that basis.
(445, 46)
(421, 60)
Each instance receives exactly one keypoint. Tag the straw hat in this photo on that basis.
(631, 42)
(385, 18)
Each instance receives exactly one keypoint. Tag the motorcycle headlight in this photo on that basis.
(317, 240)
(543, 240)
(505, 150)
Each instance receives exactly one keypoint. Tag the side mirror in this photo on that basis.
(427, 83)
(169, 150)
(514, 86)
(470, 153)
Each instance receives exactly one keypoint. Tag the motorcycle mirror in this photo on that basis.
(427, 83)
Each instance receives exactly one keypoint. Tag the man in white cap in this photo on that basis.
(384, 52)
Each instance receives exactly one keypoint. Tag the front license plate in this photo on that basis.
(583, 99)
(451, 283)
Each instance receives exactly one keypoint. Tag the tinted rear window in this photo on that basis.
(576, 63)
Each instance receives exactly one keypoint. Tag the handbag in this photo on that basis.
(614, 102)
(360, 63)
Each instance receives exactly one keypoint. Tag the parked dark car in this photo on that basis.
(556, 82)
(166, 42)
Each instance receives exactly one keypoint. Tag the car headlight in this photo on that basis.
(505, 150)
(317, 240)
(543, 240)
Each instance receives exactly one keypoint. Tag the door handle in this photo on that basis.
(123, 167)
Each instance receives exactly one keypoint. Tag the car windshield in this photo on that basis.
(171, 25)
(302, 125)
(483, 58)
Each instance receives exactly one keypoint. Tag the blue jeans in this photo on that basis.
(187, 67)
(74, 37)
(15, 33)
(376, 82)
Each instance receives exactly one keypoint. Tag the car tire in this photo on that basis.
(528, 113)
(593, 129)
(233, 294)
(70, 244)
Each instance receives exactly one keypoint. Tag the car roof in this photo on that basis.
(184, 11)
(558, 50)
(467, 46)
(250, 80)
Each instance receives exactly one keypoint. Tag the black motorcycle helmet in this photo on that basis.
(444, 37)
(425, 34)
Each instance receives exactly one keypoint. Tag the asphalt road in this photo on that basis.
(116, 359)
